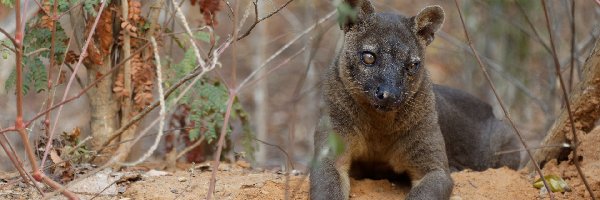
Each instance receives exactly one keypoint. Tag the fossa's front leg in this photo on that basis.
(329, 179)
(423, 157)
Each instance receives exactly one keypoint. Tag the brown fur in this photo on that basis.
(386, 111)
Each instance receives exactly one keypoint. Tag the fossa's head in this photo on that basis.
(381, 61)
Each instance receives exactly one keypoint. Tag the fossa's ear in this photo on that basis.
(352, 12)
(427, 22)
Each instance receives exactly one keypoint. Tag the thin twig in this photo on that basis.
(14, 159)
(70, 9)
(181, 17)
(50, 67)
(12, 40)
(283, 48)
(530, 23)
(572, 69)
(575, 142)
(217, 161)
(197, 143)
(40, 50)
(564, 145)
(285, 153)
(498, 68)
(8, 47)
(257, 20)
(511, 21)
(281, 64)
(491, 84)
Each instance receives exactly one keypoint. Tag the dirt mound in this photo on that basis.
(236, 181)
(500, 183)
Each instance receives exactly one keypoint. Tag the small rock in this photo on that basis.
(153, 172)
(242, 164)
(181, 179)
(125, 199)
(121, 189)
(127, 177)
(22, 185)
(174, 191)
(543, 192)
(296, 172)
(259, 169)
(203, 167)
(264, 192)
(101, 182)
(455, 198)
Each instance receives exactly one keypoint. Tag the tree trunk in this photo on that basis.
(585, 104)
(261, 91)
(104, 110)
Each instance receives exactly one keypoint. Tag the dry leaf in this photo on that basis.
(56, 158)
(71, 57)
(104, 31)
(209, 9)
(135, 9)
(62, 77)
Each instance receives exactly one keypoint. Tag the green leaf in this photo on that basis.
(346, 13)
(3, 49)
(336, 143)
(208, 104)
(9, 3)
(28, 79)
(194, 134)
(40, 77)
(556, 183)
(11, 81)
(88, 6)
(204, 36)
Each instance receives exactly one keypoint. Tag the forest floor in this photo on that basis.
(240, 181)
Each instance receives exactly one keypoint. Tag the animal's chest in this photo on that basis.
(375, 144)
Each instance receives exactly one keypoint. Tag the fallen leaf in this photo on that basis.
(56, 158)
(556, 183)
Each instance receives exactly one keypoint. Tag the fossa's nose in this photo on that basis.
(385, 93)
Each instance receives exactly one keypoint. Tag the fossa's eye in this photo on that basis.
(368, 57)
(413, 67)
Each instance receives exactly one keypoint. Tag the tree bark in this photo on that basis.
(585, 102)
(104, 110)
(261, 91)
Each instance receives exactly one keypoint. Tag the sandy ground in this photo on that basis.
(238, 181)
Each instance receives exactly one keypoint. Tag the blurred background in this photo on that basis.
(283, 101)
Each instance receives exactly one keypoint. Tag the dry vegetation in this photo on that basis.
(239, 81)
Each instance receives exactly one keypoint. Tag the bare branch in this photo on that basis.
(257, 20)
(217, 161)
(491, 84)
(14, 42)
(197, 143)
(283, 48)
